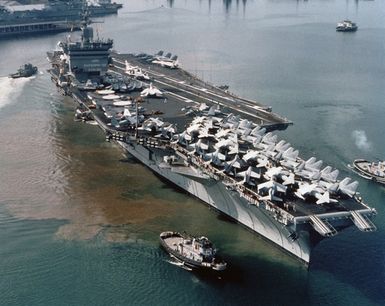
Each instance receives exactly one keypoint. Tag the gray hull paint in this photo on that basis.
(228, 202)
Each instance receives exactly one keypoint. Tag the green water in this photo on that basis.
(80, 220)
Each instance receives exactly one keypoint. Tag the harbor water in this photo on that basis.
(80, 220)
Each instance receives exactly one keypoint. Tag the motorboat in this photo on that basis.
(346, 26)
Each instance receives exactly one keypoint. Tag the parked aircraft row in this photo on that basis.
(135, 71)
(167, 60)
(232, 144)
(253, 157)
(164, 60)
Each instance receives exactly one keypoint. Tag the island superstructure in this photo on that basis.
(211, 143)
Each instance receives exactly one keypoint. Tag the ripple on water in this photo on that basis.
(26, 240)
(28, 162)
(11, 89)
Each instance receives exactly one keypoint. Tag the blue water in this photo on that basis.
(79, 220)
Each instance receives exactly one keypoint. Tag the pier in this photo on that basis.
(8, 30)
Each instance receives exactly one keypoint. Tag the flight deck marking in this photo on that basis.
(195, 94)
(211, 100)
(206, 90)
(245, 101)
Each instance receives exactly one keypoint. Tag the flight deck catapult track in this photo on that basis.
(186, 87)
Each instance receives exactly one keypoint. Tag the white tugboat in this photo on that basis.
(346, 26)
(193, 252)
(371, 170)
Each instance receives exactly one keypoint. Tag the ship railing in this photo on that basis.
(278, 213)
(334, 216)
(251, 196)
(322, 226)
(151, 142)
(359, 200)
(362, 222)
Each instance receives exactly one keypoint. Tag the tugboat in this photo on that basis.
(192, 252)
(370, 170)
(346, 26)
(24, 71)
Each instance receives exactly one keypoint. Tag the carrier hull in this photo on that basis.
(218, 196)
(214, 145)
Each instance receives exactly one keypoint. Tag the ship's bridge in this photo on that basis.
(89, 57)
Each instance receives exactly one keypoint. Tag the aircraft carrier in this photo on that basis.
(211, 143)
(55, 16)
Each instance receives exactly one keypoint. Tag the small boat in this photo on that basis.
(24, 71)
(346, 26)
(370, 170)
(193, 252)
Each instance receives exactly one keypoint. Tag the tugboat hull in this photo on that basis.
(346, 30)
(25, 72)
(346, 26)
(173, 243)
(362, 166)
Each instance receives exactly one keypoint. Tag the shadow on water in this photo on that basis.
(225, 218)
(227, 4)
(352, 268)
(250, 274)
(170, 3)
(129, 160)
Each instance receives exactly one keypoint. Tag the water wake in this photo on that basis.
(361, 140)
(179, 264)
(11, 89)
